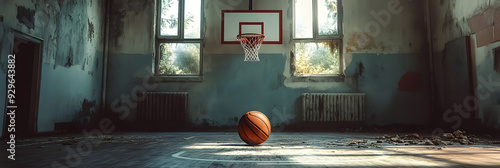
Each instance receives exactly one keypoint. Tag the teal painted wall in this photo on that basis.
(390, 99)
(232, 87)
(72, 56)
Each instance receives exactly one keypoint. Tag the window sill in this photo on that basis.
(318, 78)
(178, 79)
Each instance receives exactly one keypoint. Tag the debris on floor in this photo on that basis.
(66, 143)
(458, 137)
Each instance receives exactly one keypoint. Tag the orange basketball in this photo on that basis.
(254, 128)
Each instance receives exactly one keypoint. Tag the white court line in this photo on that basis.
(189, 137)
(178, 155)
(329, 162)
(269, 162)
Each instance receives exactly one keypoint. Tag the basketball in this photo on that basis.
(254, 128)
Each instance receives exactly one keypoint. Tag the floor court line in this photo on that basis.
(270, 162)
(189, 137)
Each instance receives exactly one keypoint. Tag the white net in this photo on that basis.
(251, 44)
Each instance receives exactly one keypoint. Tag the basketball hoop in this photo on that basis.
(251, 43)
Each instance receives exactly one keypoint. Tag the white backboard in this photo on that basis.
(267, 22)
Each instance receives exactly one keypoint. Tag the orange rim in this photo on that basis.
(249, 34)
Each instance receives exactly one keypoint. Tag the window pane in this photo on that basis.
(303, 19)
(327, 17)
(317, 58)
(192, 19)
(179, 58)
(169, 17)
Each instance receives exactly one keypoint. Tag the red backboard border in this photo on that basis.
(280, 12)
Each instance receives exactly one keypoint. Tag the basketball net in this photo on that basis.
(251, 43)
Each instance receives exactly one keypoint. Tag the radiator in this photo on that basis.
(162, 106)
(333, 107)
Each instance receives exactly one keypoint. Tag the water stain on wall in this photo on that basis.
(138, 6)
(96, 62)
(360, 69)
(411, 82)
(26, 16)
(69, 59)
(359, 41)
(90, 30)
(1, 18)
(207, 123)
(232, 120)
(448, 21)
(84, 64)
(84, 114)
(116, 25)
(279, 82)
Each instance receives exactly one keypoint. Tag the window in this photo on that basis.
(179, 38)
(317, 38)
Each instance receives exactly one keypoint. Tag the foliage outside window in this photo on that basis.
(179, 38)
(317, 36)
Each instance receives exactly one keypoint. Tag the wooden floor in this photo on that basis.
(225, 149)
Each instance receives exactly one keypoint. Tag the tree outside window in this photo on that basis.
(317, 36)
(179, 38)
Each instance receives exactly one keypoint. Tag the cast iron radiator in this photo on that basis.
(162, 106)
(333, 107)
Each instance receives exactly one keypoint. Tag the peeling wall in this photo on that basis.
(451, 21)
(390, 26)
(72, 54)
(379, 63)
(130, 32)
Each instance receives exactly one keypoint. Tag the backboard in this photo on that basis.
(267, 22)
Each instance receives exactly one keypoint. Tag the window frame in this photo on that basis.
(338, 38)
(179, 38)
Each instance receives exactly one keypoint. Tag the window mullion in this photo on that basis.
(340, 15)
(315, 18)
(341, 57)
(181, 19)
(158, 19)
(158, 35)
(294, 21)
(202, 19)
